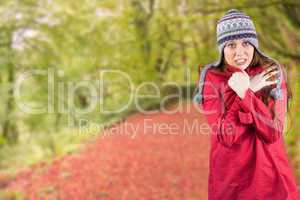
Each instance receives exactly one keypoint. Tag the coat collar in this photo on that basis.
(230, 69)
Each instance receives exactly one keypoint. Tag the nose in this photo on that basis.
(239, 50)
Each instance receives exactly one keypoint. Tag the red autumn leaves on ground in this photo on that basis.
(159, 156)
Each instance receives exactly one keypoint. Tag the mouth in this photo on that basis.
(240, 61)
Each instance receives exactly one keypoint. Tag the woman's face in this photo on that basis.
(238, 53)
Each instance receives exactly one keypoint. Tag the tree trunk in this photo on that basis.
(10, 129)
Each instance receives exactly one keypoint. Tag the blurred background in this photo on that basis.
(48, 45)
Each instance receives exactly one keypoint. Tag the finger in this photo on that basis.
(235, 75)
(276, 73)
(231, 83)
(272, 70)
(272, 82)
(272, 67)
(242, 74)
(246, 75)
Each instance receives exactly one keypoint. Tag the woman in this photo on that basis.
(244, 97)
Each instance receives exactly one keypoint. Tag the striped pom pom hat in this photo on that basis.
(236, 25)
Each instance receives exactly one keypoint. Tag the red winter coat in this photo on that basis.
(248, 160)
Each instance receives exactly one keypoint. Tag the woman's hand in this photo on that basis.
(239, 82)
(260, 81)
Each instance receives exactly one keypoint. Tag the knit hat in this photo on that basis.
(234, 25)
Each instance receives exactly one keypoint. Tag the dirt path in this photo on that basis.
(155, 156)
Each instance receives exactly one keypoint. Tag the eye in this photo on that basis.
(231, 45)
(246, 43)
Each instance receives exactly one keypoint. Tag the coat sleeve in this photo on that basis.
(269, 129)
(226, 125)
